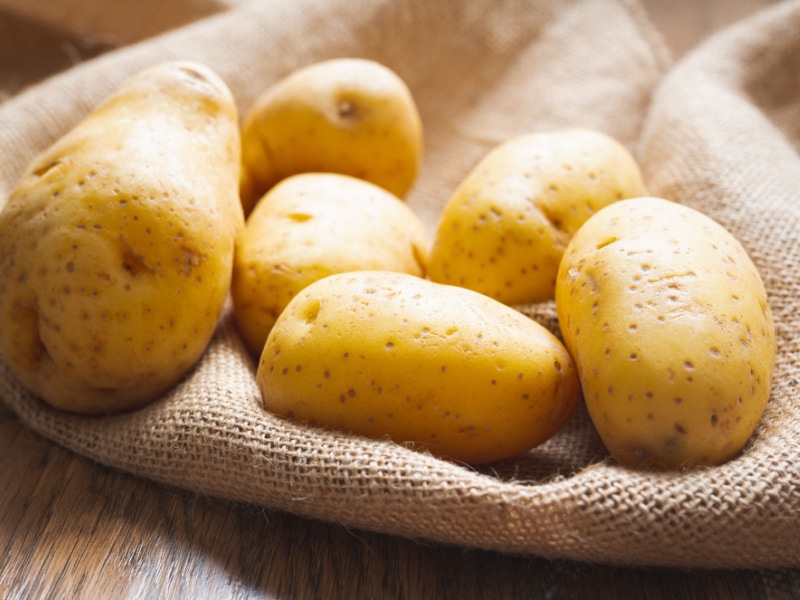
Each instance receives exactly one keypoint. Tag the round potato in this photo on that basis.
(116, 247)
(348, 115)
(504, 230)
(668, 322)
(313, 225)
(388, 354)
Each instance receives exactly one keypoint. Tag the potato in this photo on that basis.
(668, 322)
(116, 247)
(388, 354)
(313, 225)
(504, 229)
(348, 115)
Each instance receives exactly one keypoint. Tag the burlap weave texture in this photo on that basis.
(719, 131)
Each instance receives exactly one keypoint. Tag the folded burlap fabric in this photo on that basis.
(720, 134)
(115, 23)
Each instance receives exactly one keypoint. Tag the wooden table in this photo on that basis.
(70, 528)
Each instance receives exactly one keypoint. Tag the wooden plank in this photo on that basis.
(71, 528)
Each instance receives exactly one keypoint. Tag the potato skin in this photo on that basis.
(504, 229)
(346, 115)
(116, 247)
(388, 354)
(669, 324)
(313, 225)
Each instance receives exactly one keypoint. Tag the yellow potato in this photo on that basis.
(347, 115)
(668, 322)
(313, 225)
(504, 230)
(116, 248)
(388, 354)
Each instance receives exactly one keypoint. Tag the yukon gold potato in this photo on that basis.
(504, 229)
(388, 354)
(347, 115)
(668, 322)
(313, 225)
(116, 248)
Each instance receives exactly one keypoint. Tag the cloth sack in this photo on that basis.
(718, 131)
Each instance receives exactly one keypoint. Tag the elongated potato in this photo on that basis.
(455, 372)
(504, 229)
(116, 248)
(669, 324)
(313, 225)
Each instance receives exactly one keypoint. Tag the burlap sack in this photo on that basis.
(117, 23)
(721, 134)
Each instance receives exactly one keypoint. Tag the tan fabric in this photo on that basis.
(117, 22)
(722, 135)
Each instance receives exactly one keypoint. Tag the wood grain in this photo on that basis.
(70, 528)
(74, 529)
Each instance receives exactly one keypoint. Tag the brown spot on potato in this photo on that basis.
(189, 260)
(311, 311)
(606, 242)
(348, 110)
(41, 171)
(132, 263)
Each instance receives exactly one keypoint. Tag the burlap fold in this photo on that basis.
(720, 134)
